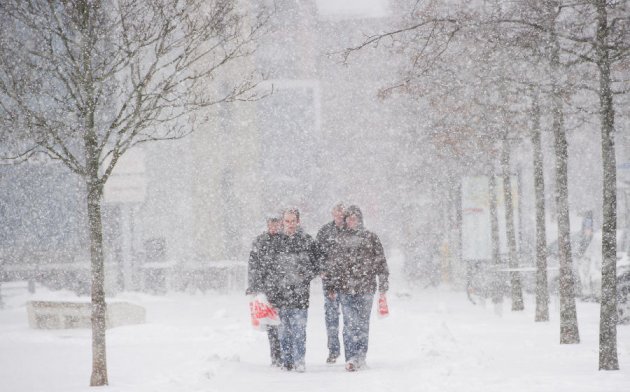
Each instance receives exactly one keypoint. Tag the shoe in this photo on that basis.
(287, 367)
(332, 358)
(351, 366)
(300, 368)
(360, 363)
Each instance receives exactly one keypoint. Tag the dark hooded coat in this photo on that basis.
(356, 262)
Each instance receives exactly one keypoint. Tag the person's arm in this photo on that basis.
(308, 263)
(382, 271)
(322, 246)
(254, 270)
(314, 257)
(333, 270)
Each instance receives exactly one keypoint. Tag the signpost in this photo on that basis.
(476, 234)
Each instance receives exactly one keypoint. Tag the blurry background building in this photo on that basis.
(179, 214)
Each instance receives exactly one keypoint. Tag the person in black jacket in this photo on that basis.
(262, 272)
(298, 265)
(327, 239)
(353, 274)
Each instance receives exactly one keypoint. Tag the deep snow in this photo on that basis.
(434, 340)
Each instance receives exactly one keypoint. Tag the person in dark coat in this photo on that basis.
(327, 239)
(262, 272)
(353, 274)
(298, 265)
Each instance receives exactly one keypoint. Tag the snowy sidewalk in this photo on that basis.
(434, 340)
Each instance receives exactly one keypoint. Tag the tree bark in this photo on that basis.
(515, 276)
(542, 288)
(569, 333)
(99, 307)
(608, 312)
(497, 289)
(94, 189)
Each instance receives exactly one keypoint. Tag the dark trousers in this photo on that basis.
(274, 345)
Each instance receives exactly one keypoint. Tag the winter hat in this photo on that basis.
(356, 211)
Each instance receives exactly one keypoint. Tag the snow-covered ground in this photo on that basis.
(434, 340)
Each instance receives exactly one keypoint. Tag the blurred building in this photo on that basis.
(179, 213)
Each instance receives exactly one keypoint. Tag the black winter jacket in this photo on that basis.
(327, 240)
(263, 267)
(355, 264)
(297, 265)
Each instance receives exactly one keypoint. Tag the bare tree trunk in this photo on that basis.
(608, 313)
(515, 277)
(497, 289)
(542, 289)
(94, 194)
(99, 307)
(569, 333)
(458, 223)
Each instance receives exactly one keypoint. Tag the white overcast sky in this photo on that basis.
(353, 8)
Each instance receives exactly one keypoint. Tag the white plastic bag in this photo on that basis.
(262, 312)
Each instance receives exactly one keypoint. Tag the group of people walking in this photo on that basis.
(351, 263)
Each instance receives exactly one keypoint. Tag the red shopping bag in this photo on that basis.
(383, 309)
(262, 313)
(252, 312)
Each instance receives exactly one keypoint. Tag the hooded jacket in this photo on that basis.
(356, 261)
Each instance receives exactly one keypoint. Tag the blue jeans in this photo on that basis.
(356, 309)
(331, 311)
(292, 333)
